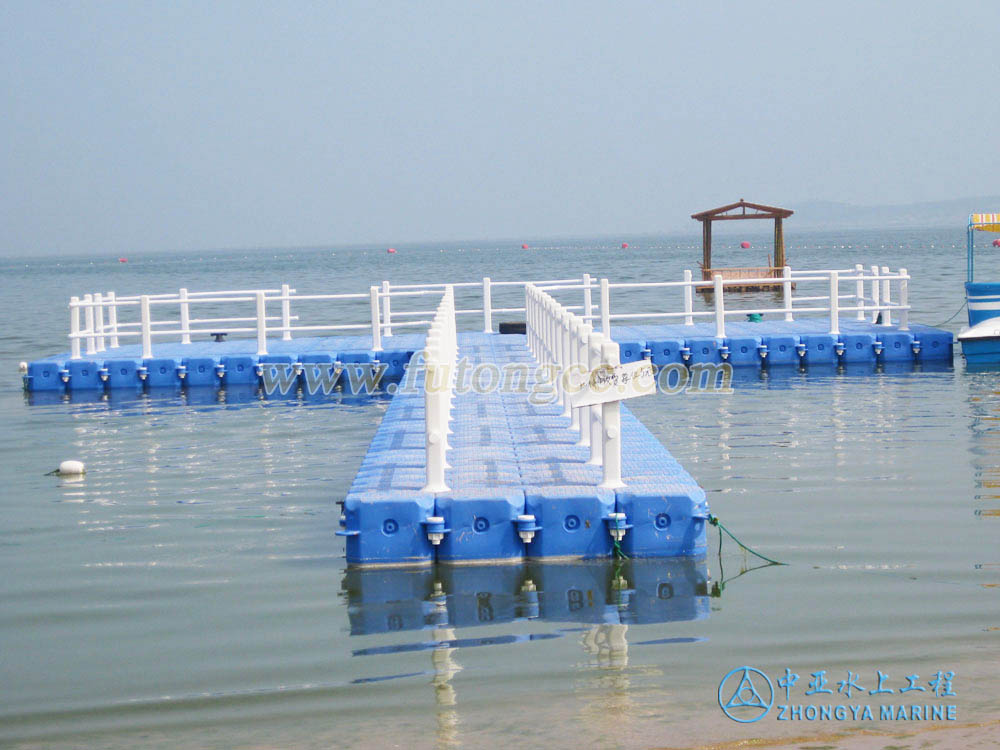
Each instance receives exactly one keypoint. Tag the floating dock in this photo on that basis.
(510, 459)
(517, 468)
(235, 362)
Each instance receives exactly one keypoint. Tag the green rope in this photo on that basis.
(938, 325)
(714, 520)
(617, 551)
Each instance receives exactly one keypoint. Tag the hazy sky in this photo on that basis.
(159, 125)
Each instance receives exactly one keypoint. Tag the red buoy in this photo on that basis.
(123, 260)
(391, 250)
(745, 245)
(524, 247)
(996, 243)
(624, 246)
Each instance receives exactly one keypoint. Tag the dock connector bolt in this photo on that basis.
(103, 374)
(916, 346)
(220, 370)
(617, 525)
(839, 348)
(435, 529)
(878, 348)
(762, 351)
(64, 376)
(685, 353)
(142, 372)
(801, 349)
(526, 527)
(182, 371)
(724, 352)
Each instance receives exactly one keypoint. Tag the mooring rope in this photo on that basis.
(938, 325)
(714, 520)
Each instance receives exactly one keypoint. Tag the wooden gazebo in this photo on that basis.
(736, 212)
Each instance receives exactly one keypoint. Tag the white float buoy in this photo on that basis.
(71, 469)
(22, 367)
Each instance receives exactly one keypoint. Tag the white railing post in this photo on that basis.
(834, 302)
(584, 331)
(859, 290)
(286, 313)
(605, 308)
(565, 347)
(261, 323)
(904, 300)
(688, 298)
(786, 291)
(594, 342)
(146, 323)
(611, 424)
(720, 307)
(488, 305)
(88, 318)
(74, 327)
(113, 318)
(376, 322)
(886, 297)
(99, 322)
(876, 295)
(185, 316)
(588, 300)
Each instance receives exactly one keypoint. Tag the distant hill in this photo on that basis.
(832, 215)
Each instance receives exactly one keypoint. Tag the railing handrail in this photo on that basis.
(877, 291)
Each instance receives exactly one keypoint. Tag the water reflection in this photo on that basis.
(600, 600)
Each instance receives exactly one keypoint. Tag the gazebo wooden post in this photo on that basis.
(706, 244)
(779, 243)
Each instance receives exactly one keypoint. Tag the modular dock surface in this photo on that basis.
(510, 457)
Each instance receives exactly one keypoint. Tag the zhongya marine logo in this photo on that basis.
(746, 695)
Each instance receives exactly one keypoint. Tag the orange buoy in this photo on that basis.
(391, 250)
(745, 245)
(524, 247)
(624, 246)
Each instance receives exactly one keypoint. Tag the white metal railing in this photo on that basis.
(565, 341)
(99, 321)
(877, 292)
(440, 359)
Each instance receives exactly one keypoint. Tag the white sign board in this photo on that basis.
(616, 383)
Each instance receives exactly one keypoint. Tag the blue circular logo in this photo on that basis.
(742, 695)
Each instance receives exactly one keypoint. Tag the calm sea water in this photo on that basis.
(190, 590)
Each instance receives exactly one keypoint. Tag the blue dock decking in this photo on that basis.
(510, 457)
(235, 362)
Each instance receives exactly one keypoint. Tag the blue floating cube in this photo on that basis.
(744, 350)
(704, 350)
(388, 528)
(239, 370)
(84, 374)
(666, 351)
(122, 373)
(821, 348)
(781, 349)
(858, 347)
(482, 525)
(571, 520)
(161, 373)
(897, 346)
(664, 523)
(200, 371)
(44, 375)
